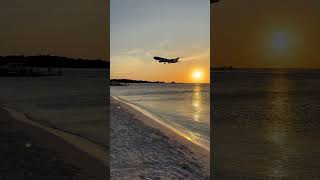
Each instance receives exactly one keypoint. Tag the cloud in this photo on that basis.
(143, 54)
(126, 65)
(140, 53)
(134, 51)
(198, 56)
(164, 43)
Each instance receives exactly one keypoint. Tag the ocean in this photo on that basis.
(76, 102)
(184, 107)
(266, 123)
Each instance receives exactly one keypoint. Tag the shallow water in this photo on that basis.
(182, 106)
(76, 102)
(266, 124)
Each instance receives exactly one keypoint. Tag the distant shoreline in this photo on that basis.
(134, 81)
(126, 82)
(255, 68)
(53, 61)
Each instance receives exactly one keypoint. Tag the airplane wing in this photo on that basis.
(158, 58)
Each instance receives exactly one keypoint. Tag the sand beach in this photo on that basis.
(141, 148)
(31, 152)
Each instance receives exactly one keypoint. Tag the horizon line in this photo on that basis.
(53, 55)
(233, 67)
(164, 82)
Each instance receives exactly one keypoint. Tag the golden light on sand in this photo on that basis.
(197, 75)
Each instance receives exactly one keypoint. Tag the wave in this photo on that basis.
(163, 123)
(80, 142)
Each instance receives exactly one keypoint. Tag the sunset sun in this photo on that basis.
(197, 75)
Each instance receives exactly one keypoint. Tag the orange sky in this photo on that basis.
(265, 34)
(71, 28)
(137, 36)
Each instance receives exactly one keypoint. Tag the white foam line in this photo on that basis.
(80, 143)
(161, 122)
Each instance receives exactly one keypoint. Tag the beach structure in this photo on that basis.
(15, 69)
(23, 69)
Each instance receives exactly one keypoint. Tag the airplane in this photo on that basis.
(165, 60)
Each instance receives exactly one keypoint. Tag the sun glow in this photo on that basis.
(197, 75)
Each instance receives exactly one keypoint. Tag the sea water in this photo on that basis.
(267, 119)
(184, 107)
(76, 102)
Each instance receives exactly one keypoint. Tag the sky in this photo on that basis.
(142, 29)
(265, 34)
(72, 28)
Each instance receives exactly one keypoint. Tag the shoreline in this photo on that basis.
(135, 137)
(75, 155)
(168, 130)
(83, 144)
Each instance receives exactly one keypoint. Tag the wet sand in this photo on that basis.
(142, 148)
(29, 152)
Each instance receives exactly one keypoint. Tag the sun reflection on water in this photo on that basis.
(196, 103)
(279, 126)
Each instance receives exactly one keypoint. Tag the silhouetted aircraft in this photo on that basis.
(165, 60)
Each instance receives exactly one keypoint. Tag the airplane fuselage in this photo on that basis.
(164, 60)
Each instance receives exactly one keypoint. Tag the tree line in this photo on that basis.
(54, 61)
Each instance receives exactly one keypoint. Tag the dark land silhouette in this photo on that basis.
(213, 1)
(223, 68)
(44, 65)
(54, 61)
(123, 82)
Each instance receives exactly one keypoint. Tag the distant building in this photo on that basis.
(22, 69)
(16, 68)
